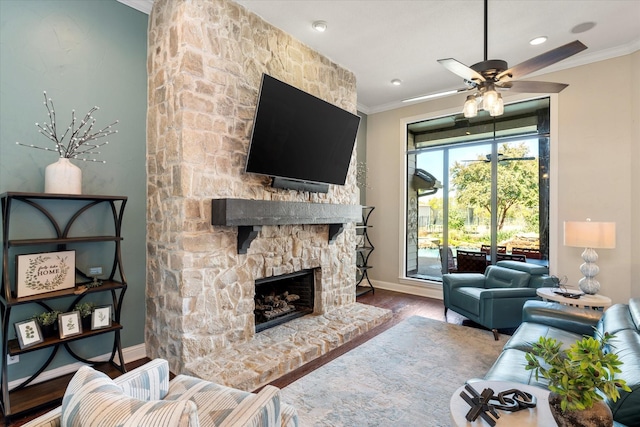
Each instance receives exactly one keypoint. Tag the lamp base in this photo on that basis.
(589, 285)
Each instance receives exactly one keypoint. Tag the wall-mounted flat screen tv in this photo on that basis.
(299, 139)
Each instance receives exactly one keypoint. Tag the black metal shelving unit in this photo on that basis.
(363, 252)
(27, 396)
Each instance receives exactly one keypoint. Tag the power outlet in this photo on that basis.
(12, 359)
(95, 271)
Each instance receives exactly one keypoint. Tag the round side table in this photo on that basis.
(538, 416)
(596, 302)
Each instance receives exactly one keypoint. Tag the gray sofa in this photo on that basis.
(567, 325)
(494, 299)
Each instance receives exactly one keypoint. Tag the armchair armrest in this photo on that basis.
(472, 280)
(260, 409)
(572, 319)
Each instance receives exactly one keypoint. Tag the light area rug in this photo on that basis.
(403, 377)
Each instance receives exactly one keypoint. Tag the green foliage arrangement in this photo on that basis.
(576, 374)
(47, 318)
(85, 308)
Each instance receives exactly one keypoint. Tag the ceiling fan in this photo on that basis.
(501, 158)
(485, 77)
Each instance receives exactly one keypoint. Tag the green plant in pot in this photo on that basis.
(47, 321)
(579, 379)
(85, 309)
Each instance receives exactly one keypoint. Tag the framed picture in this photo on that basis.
(69, 324)
(28, 333)
(101, 317)
(45, 272)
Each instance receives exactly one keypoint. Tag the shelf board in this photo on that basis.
(63, 240)
(48, 392)
(14, 345)
(51, 196)
(107, 285)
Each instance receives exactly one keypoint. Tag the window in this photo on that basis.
(478, 185)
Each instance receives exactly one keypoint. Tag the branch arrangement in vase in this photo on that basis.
(81, 139)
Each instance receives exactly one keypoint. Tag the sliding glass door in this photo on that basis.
(476, 187)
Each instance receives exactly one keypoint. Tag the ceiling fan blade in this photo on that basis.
(541, 61)
(461, 70)
(435, 95)
(507, 159)
(534, 87)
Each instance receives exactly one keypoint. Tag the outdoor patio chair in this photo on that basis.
(528, 252)
(471, 262)
(487, 249)
(511, 257)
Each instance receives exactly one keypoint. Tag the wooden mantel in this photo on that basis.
(250, 215)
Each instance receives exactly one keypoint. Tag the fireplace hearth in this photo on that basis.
(280, 299)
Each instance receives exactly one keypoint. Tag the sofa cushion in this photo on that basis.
(218, 405)
(510, 366)
(92, 399)
(148, 382)
(626, 344)
(634, 309)
(529, 333)
(499, 277)
(617, 319)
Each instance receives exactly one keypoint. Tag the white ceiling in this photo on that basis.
(381, 40)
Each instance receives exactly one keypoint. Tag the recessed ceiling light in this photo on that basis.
(319, 26)
(396, 82)
(538, 40)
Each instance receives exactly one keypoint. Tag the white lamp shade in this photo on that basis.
(590, 234)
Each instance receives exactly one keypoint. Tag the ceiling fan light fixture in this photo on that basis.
(489, 97)
(470, 108)
(498, 107)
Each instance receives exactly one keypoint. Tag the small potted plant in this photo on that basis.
(579, 379)
(47, 321)
(85, 309)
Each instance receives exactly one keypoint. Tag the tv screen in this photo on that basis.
(299, 137)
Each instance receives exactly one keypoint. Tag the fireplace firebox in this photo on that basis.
(280, 299)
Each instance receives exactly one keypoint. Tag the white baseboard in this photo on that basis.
(420, 289)
(129, 354)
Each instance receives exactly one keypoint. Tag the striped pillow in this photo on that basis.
(92, 399)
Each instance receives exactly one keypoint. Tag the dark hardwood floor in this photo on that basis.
(402, 306)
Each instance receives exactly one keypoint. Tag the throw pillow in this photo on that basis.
(92, 399)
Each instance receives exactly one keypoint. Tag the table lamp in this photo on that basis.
(590, 235)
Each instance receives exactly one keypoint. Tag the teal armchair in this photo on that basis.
(494, 299)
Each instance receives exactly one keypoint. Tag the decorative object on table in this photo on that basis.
(101, 317)
(579, 378)
(69, 324)
(45, 272)
(63, 177)
(86, 310)
(28, 333)
(590, 235)
(48, 322)
(480, 406)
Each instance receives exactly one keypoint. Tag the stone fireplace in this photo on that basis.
(205, 61)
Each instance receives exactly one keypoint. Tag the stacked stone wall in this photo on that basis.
(205, 63)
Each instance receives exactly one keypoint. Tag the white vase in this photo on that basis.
(63, 177)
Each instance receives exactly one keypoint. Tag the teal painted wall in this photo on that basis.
(83, 53)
